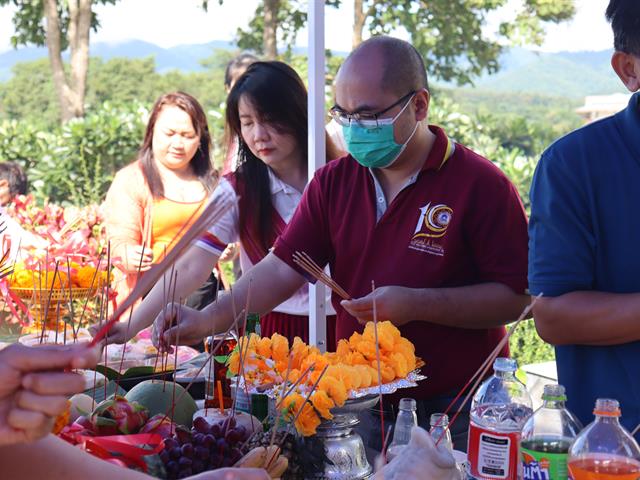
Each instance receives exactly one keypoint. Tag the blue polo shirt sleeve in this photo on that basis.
(561, 240)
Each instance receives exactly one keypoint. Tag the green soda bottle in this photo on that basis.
(547, 436)
(253, 324)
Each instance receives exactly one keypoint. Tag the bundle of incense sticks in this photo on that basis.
(305, 262)
(211, 214)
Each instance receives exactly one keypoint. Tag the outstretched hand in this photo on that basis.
(34, 387)
(179, 325)
(392, 303)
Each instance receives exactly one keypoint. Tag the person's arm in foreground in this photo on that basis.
(266, 285)
(191, 270)
(34, 387)
(58, 460)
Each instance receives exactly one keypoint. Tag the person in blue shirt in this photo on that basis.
(584, 244)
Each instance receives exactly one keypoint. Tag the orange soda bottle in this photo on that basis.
(604, 450)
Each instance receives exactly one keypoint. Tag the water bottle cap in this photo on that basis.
(503, 364)
(407, 404)
(607, 407)
(439, 420)
(554, 393)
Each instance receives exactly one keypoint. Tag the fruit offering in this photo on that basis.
(204, 447)
(267, 458)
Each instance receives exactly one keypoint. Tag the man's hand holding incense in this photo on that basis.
(392, 303)
(34, 387)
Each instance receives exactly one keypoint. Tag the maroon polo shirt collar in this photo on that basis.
(441, 150)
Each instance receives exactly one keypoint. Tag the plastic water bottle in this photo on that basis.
(499, 410)
(405, 421)
(439, 428)
(547, 436)
(604, 450)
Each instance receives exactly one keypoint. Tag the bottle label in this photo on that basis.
(493, 455)
(543, 465)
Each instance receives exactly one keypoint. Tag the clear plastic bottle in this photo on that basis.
(547, 436)
(499, 410)
(604, 450)
(405, 421)
(439, 428)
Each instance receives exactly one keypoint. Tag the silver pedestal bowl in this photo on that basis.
(342, 445)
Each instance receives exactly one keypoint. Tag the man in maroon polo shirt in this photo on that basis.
(439, 229)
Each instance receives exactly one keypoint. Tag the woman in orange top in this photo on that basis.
(151, 199)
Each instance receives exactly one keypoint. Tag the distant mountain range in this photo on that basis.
(566, 74)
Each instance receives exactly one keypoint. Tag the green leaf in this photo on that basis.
(221, 358)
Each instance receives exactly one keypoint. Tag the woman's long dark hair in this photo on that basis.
(279, 97)
(201, 161)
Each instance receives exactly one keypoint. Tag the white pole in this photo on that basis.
(317, 155)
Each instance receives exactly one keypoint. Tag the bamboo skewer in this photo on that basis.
(305, 262)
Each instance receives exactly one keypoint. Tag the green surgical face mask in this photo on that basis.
(371, 142)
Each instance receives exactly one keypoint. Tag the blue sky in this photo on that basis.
(173, 22)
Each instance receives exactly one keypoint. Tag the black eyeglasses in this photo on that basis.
(364, 119)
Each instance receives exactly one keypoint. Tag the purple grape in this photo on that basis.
(187, 450)
(170, 443)
(242, 431)
(164, 456)
(197, 466)
(214, 460)
(175, 453)
(184, 462)
(221, 443)
(237, 454)
(201, 452)
(216, 430)
(209, 440)
(183, 435)
(201, 425)
(229, 423)
(172, 467)
(185, 472)
(198, 439)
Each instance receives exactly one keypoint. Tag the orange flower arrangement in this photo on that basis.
(354, 365)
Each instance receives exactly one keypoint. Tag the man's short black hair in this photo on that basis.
(15, 176)
(624, 16)
(404, 69)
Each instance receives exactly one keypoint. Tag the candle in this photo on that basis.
(220, 399)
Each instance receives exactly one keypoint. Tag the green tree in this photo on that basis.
(59, 25)
(449, 33)
(29, 94)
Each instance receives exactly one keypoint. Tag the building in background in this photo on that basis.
(600, 106)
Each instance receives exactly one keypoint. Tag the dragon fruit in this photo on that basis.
(118, 416)
(160, 424)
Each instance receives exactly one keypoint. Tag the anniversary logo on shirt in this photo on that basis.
(433, 221)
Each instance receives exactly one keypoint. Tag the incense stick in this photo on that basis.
(312, 268)
(212, 213)
(480, 373)
(375, 330)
